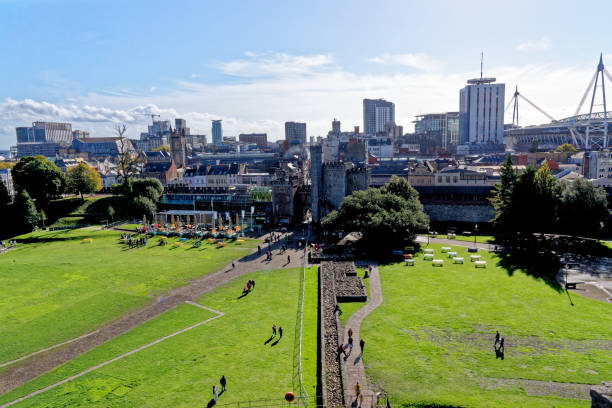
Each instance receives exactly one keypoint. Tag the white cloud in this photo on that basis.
(422, 62)
(263, 103)
(276, 64)
(538, 45)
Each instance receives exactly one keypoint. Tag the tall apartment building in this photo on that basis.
(159, 128)
(217, 133)
(481, 112)
(295, 132)
(181, 126)
(336, 126)
(43, 138)
(376, 114)
(260, 139)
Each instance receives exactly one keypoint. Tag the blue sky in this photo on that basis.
(257, 64)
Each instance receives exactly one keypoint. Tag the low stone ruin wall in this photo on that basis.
(601, 396)
(349, 287)
(331, 374)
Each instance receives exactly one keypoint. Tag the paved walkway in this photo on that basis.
(43, 362)
(353, 370)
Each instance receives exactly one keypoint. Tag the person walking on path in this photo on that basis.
(350, 343)
(361, 344)
(223, 383)
(357, 389)
(274, 330)
(233, 264)
(280, 332)
(288, 259)
(258, 250)
(350, 332)
(215, 393)
(342, 350)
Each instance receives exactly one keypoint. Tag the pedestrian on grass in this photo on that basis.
(215, 393)
(274, 330)
(223, 383)
(280, 332)
(361, 344)
(496, 337)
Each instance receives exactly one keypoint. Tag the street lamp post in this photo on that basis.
(475, 233)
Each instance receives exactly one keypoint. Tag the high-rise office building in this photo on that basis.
(481, 112)
(43, 138)
(260, 139)
(336, 126)
(181, 126)
(159, 128)
(437, 131)
(295, 132)
(376, 113)
(217, 133)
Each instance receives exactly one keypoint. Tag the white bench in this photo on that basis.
(452, 254)
(428, 256)
(458, 260)
(474, 258)
(482, 264)
(428, 251)
(437, 262)
(409, 262)
(445, 249)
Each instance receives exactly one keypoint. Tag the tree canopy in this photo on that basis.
(388, 217)
(534, 201)
(5, 197)
(82, 179)
(24, 217)
(566, 148)
(42, 179)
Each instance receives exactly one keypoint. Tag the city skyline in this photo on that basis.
(298, 77)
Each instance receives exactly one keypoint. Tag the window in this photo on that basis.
(448, 179)
(439, 179)
(454, 179)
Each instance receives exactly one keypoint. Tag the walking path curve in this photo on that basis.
(353, 370)
(38, 364)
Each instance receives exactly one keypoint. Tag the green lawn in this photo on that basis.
(181, 371)
(55, 287)
(483, 239)
(351, 307)
(431, 341)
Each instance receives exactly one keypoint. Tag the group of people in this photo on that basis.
(136, 242)
(499, 346)
(280, 331)
(342, 348)
(223, 383)
(248, 287)
(11, 244)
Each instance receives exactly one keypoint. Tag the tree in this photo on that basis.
(566, 148)
(150, 188)
(110, 211)
(533, 146)
(5, 197)
(140, 206)
(83, 179)
(502, 198)
(128, 161)
(24, 216)
(42, 179)
(545, 199)
(165, 148)
(387, 217)
(582, 207)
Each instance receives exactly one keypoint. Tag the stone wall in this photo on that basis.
(601, 396)
(459, 213)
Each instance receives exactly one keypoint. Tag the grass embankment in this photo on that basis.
(181, 371)
(55, 287)
(431, 340)
(483, 239)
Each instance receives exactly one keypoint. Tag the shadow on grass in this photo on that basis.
(541, 265)
(269, 340)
